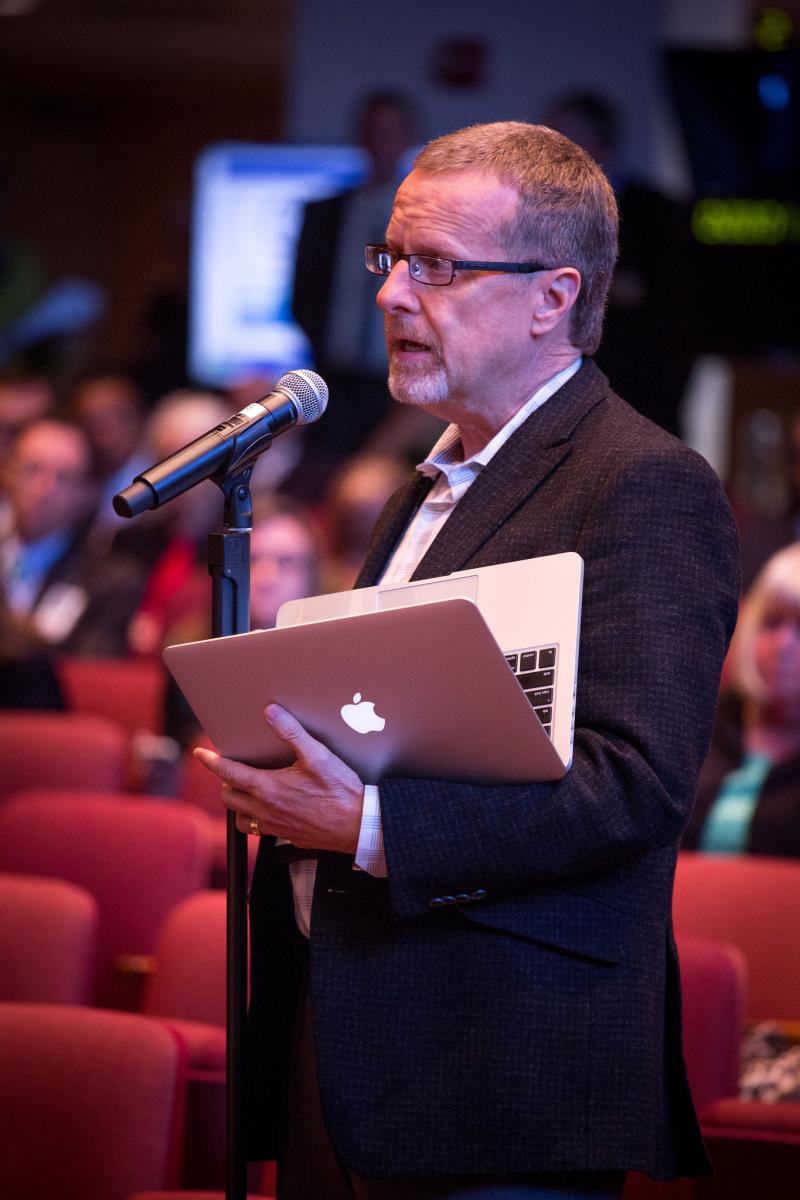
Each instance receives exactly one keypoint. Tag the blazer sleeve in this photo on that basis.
(661, 588)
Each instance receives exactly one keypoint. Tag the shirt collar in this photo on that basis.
(446, 455)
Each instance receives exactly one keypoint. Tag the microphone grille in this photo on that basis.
(309, 391)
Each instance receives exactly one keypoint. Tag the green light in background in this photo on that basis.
(745, 222)
(773, 29)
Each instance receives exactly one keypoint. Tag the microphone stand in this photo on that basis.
(229, 568)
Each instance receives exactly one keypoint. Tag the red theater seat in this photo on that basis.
(129, 691)
(203, 789)
(751, 901)
(48, 940)
(137, 857)
(60, 750)
(187, 991)
(714, 988)
(91, 1103)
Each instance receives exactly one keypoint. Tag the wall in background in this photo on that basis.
(534, 50)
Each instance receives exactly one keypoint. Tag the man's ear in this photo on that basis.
(557, 292)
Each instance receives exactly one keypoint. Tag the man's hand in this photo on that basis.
(315, 803)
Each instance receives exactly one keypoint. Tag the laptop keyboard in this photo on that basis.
(536, 671)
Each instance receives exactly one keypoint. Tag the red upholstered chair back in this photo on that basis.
(189, 981)
(137, 857)
(199, 786)
(129, 691)
(714, 993)
(48, 940)
(751, 901)
(60, 750)
(91, 1103)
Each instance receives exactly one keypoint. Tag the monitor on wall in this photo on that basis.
(247, 215)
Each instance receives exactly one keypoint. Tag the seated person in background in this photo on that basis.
(355, 498)
(285, 559)
(749, 791)
(24, 398)
(171, 541)
(28, 676)
(77, 601)
(107, 404)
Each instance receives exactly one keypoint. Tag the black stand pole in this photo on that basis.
(229, 568)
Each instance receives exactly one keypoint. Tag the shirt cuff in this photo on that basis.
(369, 855)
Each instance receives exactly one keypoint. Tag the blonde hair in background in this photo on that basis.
(777, 582)
(566, 215)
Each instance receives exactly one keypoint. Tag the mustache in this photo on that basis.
(398, 332)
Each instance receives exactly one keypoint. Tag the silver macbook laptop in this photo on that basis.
(532, 607)
(469, 676)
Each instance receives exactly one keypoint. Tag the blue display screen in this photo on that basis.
(247, 215)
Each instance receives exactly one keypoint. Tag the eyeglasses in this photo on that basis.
(438, 272)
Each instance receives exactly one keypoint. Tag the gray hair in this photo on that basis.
(566, 214)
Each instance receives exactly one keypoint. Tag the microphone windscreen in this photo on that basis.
(309, 391)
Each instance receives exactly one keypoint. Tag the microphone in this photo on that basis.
(300, 398)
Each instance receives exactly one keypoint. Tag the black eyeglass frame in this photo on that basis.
(511, 268)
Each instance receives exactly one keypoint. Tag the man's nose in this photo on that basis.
(398, 291)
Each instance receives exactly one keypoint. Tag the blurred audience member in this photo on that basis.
(24, 398)
(285, 558)
(763, 533)
(28, 676)
(109, 407)
(749, 791)
(333, 302)
(75, 600)
(646, 348)
(355, 498)
(285, 564)
(172, 540)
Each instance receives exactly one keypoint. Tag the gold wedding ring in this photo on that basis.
(254, 830)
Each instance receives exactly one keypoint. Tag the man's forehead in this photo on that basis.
(455, 199)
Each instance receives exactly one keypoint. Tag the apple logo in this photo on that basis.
(361, 716)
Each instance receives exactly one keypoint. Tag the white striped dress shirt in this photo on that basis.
(452, 475)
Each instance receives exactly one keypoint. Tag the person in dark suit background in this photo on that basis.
(77, 600)
(489, 1007)
(330, 299)
(648, 337)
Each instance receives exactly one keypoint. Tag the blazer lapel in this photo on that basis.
(529, 456)
(391, 524)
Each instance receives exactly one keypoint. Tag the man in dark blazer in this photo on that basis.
(491, 1006)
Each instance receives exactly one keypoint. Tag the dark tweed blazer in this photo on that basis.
(534, 1025)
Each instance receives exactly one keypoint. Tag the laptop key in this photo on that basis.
(528, 661)
(540, 696)
(511, 659)
(545, 715)
(534, 679)
(547, 730)
(547, 657)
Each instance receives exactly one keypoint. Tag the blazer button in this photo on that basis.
(448, 899)
(436, 902)
(463, 898)
(478, 894)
